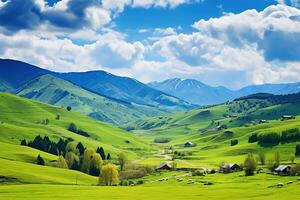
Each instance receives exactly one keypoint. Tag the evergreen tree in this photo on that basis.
(101, 152)
(108, 156)
(297, 153)
(40, 160)
(61, 147)
(80, 148)
(53, 148)
(24, 143)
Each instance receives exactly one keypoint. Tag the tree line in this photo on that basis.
(274, 138)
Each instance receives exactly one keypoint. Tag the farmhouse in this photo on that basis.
(229, 167)
(282, 170)
(188, 144)
(164, 166)
(287, 117)
(221, 127)
(263, 121)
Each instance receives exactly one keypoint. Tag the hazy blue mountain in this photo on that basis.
(13, 74)
(126, 89)
(284, 88)
(194, 91)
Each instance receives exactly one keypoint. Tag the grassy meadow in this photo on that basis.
(22, 178)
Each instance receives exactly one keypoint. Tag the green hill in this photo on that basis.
(211, 129)
(56, 91)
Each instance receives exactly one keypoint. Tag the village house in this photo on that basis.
(164, 166)
(189, 144)
(229, 167)
(283, 170)
(287, 117)
(221, 127)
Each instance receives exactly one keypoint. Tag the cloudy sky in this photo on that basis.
(232, 43)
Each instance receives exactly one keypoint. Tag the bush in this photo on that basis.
(295, 170)
(69, 108)
(234, 142)
(140, 182)
(197, 173)
(135, 172)
(73, 128)
(123, 183)
(252, 138)
(40, 160)
(162, 140)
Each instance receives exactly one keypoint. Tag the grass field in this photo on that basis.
(21, 178)
(224, 187)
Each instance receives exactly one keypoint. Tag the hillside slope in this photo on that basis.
(22, 119)
(56, 91)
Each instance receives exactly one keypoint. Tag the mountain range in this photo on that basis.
(198, 93)
(101, 95)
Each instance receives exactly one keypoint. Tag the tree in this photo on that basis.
(234, 142)
(61, 162)
(109, 175)
(96, 164)
(262, 158)
(73, 128)
(174, 165)
(23, 142)
(292, 158)
(297, 153)
(57, 117)
(101, 152)
(250, 165)
(122, 158)
(108, 156)
(71, 147)
(277, 158)
(40, 160)
(61, 146)
(69, 108)
(53, 148)
(71, 158)
(80, 148)
(87, 158)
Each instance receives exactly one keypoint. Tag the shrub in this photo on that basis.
(69, 108)
(40, 160)
(252, 138)
(295, 170)
(234, 142)
(73, 128)
(197, 173)
(23, 142)
(162, 140)
(140, 182)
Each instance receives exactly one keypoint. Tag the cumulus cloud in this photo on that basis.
(263, 46)
(246, 48)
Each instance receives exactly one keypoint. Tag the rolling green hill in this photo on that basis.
(240, 119)
(56, 91)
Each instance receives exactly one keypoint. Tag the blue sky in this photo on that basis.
(232, 43)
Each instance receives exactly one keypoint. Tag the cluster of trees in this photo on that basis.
(72, 155)
(73, 128)
(45, 144)
(181, 154)
(273, 138)
(234, 142)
